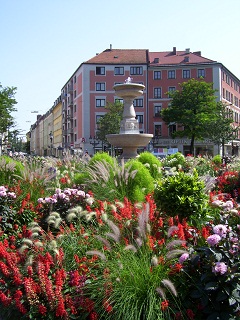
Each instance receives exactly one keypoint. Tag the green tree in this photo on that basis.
(7, 102)
(191, 108)
(110, 122)
(221, 129)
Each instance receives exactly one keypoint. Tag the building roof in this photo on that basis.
(143, 56)
(177, 57)
(120, 56)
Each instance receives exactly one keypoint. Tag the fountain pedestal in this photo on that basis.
(129, 138)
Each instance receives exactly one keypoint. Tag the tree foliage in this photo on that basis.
(110, 122)
(7, 102)
(221, 129)
(191, 108)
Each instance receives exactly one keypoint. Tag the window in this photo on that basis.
(75, 108)
(157, 75)
(139, 118)
(75, 93)
(75, 137)
(227, 79)
(170, 90)
(100, 70)
(186, 74)
(227, 95)
(171, 74)
(223, 92)
(100, 86)
(236, 117)
(75, 79)
(157, 93)
(75, 123)
(172, 128)
(118, 71)
(157, 111)
(98, 117)
(100, 103)
(158, 130)
(118, 100)
(201, 73)
(136, 70)
(236, 101)
(138, 103)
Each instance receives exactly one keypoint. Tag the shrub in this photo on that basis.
(217, 160)
(141, 184)
(101, 156)
(151, 163)
(182, 195)
(174, 160)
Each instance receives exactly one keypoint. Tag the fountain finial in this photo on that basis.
(128, 80)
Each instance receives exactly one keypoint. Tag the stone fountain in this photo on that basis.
(129, 138)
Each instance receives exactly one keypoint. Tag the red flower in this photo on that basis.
(190, 314)
(107, 306)
(164, 305)
(175, 269)
(93, 316)
(42, 309)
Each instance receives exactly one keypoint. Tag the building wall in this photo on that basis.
(80, 95)
(57, 127)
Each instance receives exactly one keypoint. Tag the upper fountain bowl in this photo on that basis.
(129, 90)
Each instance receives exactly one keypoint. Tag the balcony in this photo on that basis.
(70, 116)
(67, 131)
(70, 88)
(70, 103)
(64, 96)
(70, 131)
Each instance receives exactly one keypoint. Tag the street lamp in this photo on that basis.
(51, 142)
(1, 136)
(94, 141)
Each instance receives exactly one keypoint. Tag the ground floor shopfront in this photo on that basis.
(166, 146)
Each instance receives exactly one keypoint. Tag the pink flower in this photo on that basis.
(213, 239)
(228, 205)
(58, 190)
(221, 230)
(220, 267)
(12, 195)
(183, 257)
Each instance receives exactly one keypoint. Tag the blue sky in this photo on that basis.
(44, 41)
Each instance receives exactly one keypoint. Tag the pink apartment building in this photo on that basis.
(86, 93)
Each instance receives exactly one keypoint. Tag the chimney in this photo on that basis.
(174, 50)
(110, 47)
(187, 50)
(198, 53)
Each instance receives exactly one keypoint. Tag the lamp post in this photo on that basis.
(94, 142)
(1, 136)
(51, 141)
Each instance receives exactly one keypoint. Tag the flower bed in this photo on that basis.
(70, 255)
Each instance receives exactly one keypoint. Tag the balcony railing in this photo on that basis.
(67, 131)
(70, 117)
(64, 96)
(70, 88)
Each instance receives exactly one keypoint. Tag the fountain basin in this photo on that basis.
(129, 90)
(129, 142)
